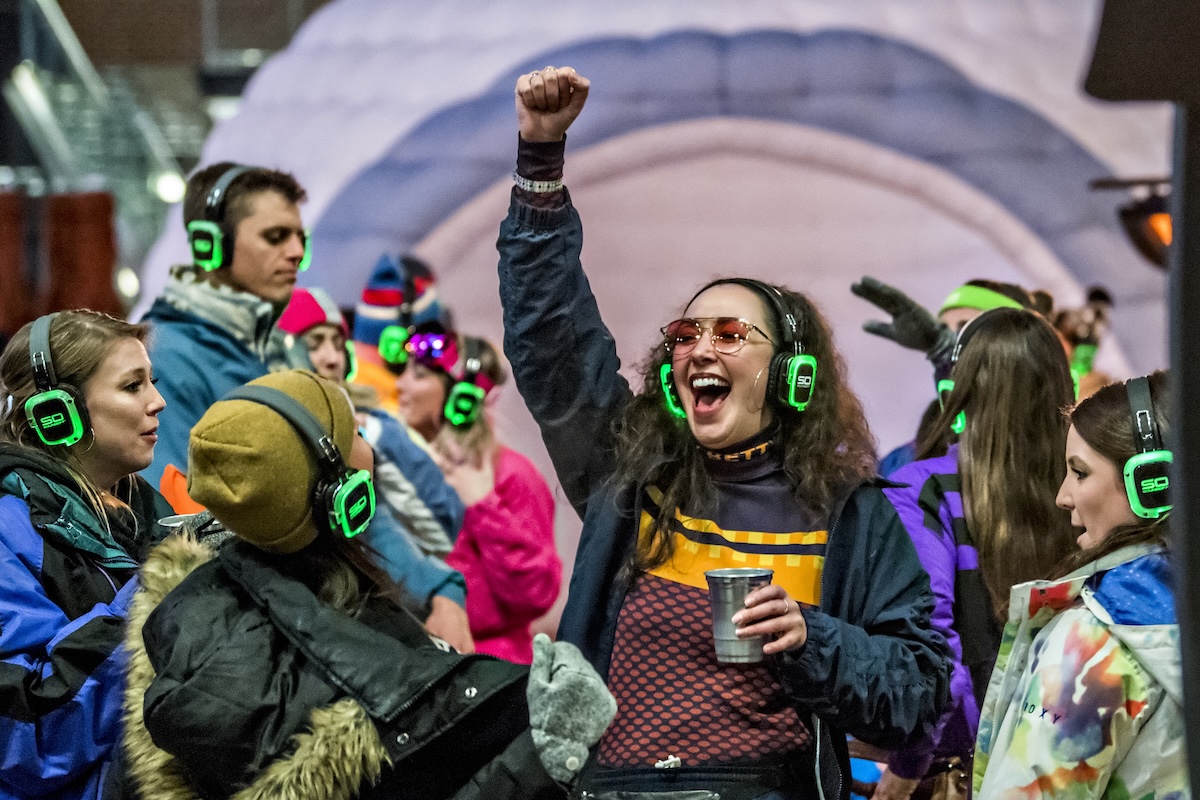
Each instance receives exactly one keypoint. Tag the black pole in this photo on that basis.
(1185, 398)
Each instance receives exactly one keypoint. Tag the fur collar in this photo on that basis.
(331, 760)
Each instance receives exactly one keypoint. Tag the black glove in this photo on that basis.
(911, 326)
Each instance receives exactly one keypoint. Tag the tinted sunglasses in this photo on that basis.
(729, 334)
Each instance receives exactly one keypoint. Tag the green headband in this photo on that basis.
(977, 297)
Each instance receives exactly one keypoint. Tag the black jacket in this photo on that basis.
(871, 666)
(247, 681)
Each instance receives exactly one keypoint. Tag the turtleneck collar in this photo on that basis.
(748, 459)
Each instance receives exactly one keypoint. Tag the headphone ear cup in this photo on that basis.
(464, 404)
(208, 243)
(1148, 483)
(666, 377)
(347, 505)
(792, 380)
(775, 391)
(58, 416)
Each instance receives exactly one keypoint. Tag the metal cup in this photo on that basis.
(727, 590)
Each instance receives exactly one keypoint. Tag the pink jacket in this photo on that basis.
(506, 553)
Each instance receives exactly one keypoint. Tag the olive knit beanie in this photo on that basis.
(254, 472)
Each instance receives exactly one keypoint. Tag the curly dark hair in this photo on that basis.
(826, 448)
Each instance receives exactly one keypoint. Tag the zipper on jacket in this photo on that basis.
(108, 577)
(834, 518)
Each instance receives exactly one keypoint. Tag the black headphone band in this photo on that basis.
(410, 296)
(214, 203)
(39, 353)
(321, 443)
(973, 327)
(789, 328)
(1146, 436)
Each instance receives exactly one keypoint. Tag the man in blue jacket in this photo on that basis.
(215, 329)
(214, 324)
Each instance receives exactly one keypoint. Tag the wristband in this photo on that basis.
(537, 187)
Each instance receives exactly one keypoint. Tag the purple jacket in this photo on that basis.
(930, 506)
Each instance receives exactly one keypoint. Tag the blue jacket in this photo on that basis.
(395, 445)
(196, 362)
(66, 586)
(422, 576)
(871, 666)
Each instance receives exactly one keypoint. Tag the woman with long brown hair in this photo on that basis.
(745, 448)
(1086, 699)
(80, 420)
(982, 516)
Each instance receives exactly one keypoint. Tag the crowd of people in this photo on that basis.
(251, 548)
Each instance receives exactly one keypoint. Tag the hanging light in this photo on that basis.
(1146, 218)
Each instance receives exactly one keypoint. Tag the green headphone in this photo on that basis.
(393, 338)
(792, 375)
(57, 412)
(343, 498)
(667, 378)
(1147, 474)
(211, 240)
(946, 385)
(464, 403)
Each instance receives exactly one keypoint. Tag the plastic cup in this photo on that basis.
(727, 590)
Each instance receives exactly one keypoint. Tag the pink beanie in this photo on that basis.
(309, 308)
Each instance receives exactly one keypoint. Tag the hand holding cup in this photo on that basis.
(771, 613)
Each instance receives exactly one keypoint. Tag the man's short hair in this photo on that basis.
(240, 193)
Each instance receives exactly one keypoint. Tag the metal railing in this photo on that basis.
(88, 134)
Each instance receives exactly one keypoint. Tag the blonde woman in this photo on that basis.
(75, 520)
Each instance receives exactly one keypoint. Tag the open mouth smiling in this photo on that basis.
(708, 392)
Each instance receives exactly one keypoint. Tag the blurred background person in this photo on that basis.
(420, 515)
(506, 547)
(913, 327)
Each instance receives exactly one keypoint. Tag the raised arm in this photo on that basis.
(564, 360)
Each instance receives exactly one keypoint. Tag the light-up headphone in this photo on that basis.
(1147, 473)
(211, 239)
(57, 413)
(464, 403)
(343, 498)
(393, 340)
(946, 385)
(791, 378)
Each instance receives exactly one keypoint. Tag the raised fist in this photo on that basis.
(548, 101)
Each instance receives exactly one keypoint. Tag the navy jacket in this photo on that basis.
(871, 666)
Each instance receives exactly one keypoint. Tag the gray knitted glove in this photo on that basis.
(569, 707)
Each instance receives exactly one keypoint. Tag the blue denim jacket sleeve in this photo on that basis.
(420, 575)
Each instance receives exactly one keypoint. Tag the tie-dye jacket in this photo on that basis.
(1085, 700)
